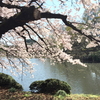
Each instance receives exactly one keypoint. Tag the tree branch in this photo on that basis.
(31, 14)
(51, 15)
(79, 31)
(63, 17)
(24, 38)
(11, 6)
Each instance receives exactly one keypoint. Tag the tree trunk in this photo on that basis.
(26, 15)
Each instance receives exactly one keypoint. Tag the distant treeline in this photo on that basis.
(91, 59)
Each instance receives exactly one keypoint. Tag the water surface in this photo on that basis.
(81, 79)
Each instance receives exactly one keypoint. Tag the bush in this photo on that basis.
(12, 89)
(36, 86)
(49, 86)
(61, 93)
(8, 82)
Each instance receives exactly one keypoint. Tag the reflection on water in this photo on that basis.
(81, 79)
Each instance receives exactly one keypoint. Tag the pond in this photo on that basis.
(83, 80)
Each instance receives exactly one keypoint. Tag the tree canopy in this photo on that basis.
(50, 25)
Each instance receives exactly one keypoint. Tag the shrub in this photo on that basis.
(36, 84)
(61, 93)
(50, 86)
(8, 82)
(12, 89)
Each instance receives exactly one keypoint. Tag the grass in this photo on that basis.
(84, 97)
(5, 94)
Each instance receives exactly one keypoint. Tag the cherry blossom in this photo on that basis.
(49, 36)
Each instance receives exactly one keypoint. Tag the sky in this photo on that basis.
(53, 6)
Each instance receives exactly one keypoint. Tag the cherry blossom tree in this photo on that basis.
(44, 23)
